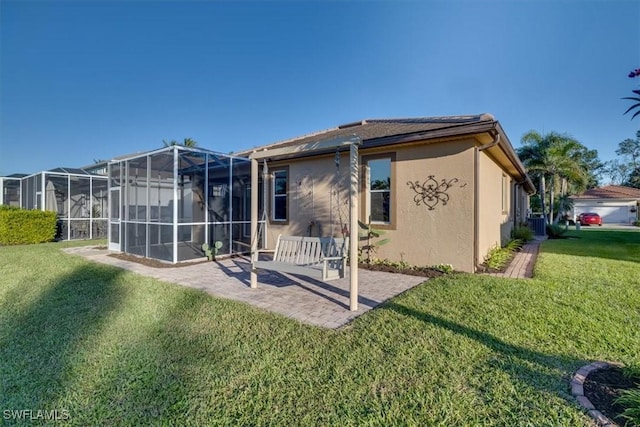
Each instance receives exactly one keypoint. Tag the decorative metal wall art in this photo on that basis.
(432, 192)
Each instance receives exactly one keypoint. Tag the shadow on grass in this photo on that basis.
(619, 245)
(38, 346)
(44, 347)
(526, 365)
(152, 373)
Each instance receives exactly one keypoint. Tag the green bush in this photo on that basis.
(19, 226)
(630, 400)
(555, 231)
(523, 233)
(636, 223)
(498, 257)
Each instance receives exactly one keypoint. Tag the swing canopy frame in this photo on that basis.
(290, 263)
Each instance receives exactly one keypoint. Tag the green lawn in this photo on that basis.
(114, 348)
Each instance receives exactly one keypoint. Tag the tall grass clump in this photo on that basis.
(522, 232)
(630, 399)
(499, 256)
(555, 231)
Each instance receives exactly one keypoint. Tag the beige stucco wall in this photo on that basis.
(495, 220)
(418, 235)
(318, 192)
(318, 196)
(444, 234)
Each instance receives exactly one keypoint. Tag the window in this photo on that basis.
(279, 195)
(379, 190)
(505, 194)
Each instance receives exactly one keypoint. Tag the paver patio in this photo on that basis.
(302, 298)
(308, 300)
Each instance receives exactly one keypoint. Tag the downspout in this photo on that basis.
(523, 207)
(476, 213)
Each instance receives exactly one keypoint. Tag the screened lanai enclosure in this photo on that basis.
(165, 204)
(78, 197)
(11, 189)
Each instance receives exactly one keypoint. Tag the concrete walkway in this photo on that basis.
(307, 300)
(521, 266)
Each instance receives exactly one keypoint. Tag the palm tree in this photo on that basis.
(636, 99)
(187, 142)
(553, 158)
(633, 74)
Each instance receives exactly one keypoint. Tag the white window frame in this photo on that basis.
(285, 196)
(370, 191)
(505, 194)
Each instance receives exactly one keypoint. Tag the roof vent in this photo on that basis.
(352, 124)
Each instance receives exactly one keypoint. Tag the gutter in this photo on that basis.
(476, 191)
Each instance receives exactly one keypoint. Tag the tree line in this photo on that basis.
(561, 166)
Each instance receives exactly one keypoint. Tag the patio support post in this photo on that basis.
(42, 192)
(175, 205)
(254, 219)
(265, 197)
(90, 207)
(353, 226)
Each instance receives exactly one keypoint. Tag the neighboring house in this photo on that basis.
(445, 189)
(616, 204)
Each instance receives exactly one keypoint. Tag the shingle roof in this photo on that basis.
(610, 192)
(381, 132)
(373, 129)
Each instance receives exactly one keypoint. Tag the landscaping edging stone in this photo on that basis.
(577, 390)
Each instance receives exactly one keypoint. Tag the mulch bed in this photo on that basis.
(603, 387)
(416, 271)
(149, 262)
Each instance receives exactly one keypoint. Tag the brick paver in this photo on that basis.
(577, 390)
(308, 300)
(521, 266)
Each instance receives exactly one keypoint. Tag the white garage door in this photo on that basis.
(609, 214)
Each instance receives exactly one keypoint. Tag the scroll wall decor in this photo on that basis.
(432, 192)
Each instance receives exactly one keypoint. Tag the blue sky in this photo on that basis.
(93, 80)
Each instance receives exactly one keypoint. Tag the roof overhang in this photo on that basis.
(484, 132)
(504, 153)
(315, 148)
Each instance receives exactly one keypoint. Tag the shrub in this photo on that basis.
(19, 226)
(443, 268)
(636, 223)
(555, 231)
(498, 257)
(630, 400)
(367, 233)
(523, 233)
(8, 208)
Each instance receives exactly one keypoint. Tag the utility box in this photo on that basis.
(538, 226)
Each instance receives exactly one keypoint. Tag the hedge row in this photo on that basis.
(19, 226)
